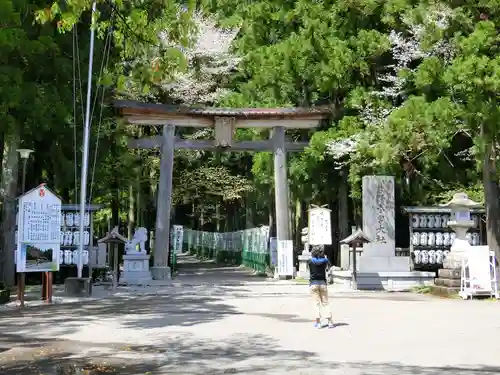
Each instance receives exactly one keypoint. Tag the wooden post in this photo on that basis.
(160, 270)
(21, 282)
(115, 266)
(281, 186)
(47, 276)
(44, 287)
(354, 265)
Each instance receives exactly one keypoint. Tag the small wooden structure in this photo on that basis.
(358, 238)
(224, 121)
(114, 239)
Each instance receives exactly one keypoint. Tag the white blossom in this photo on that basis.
(406, 48)
(209, 61)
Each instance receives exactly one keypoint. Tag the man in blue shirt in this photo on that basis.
(317, 270)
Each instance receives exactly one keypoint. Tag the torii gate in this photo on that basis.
(224, 121)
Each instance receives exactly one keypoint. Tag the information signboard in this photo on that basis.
(39, 227)
(273, 251)
(285, 258)
(478, 262)
(320, 227)
(479, 273)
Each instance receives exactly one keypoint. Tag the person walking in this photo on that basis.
(317, 285)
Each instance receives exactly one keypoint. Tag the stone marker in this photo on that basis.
(379, 227)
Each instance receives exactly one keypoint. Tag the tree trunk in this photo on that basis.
(491, 197)
(298, 224)
(115, 204)
(138, 209)
(8, 195)
(343, 204)
(131, 212)
(272, 214)
(2, 148)
(217, 216)
(249, 211)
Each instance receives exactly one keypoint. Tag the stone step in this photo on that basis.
(447, 282)
(449, 273)
(445, 291)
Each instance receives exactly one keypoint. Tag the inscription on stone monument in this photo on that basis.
(378, 209)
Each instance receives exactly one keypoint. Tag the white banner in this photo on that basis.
(273, 251)
(285, 258)
(320, 227)
(178, 238)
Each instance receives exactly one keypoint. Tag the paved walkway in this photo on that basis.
(249, 327)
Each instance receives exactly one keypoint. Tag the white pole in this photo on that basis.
(86, 138)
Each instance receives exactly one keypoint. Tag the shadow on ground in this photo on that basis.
(185, 307)
(242, 354)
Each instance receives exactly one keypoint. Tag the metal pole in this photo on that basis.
(23, 184)
(86, 138)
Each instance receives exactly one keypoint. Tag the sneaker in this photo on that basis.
(331, 325)
(318, 325)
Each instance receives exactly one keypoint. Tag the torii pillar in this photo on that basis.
(224, 121)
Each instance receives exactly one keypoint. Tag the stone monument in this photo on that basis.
(448, 280)
(378, 267)
(136, 260)
(379, 227)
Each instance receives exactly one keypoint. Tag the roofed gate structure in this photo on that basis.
(225, 122)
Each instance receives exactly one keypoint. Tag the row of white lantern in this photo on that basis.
(71, 257)
(68, 257)
(430, 256)
(69, 238)
(441, 239)
(436, 221)
(70, 219)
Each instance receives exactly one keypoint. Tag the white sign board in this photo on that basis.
(39, 227)
(320, 227)
(285, 258)
(178, 238)
(273, 250)
(478, 260)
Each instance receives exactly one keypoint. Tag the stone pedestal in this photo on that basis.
(303, 266)
(448, 280)
(136, 269)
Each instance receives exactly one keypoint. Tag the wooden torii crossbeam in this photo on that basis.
(224, 121)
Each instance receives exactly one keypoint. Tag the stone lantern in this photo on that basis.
(460, 221)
